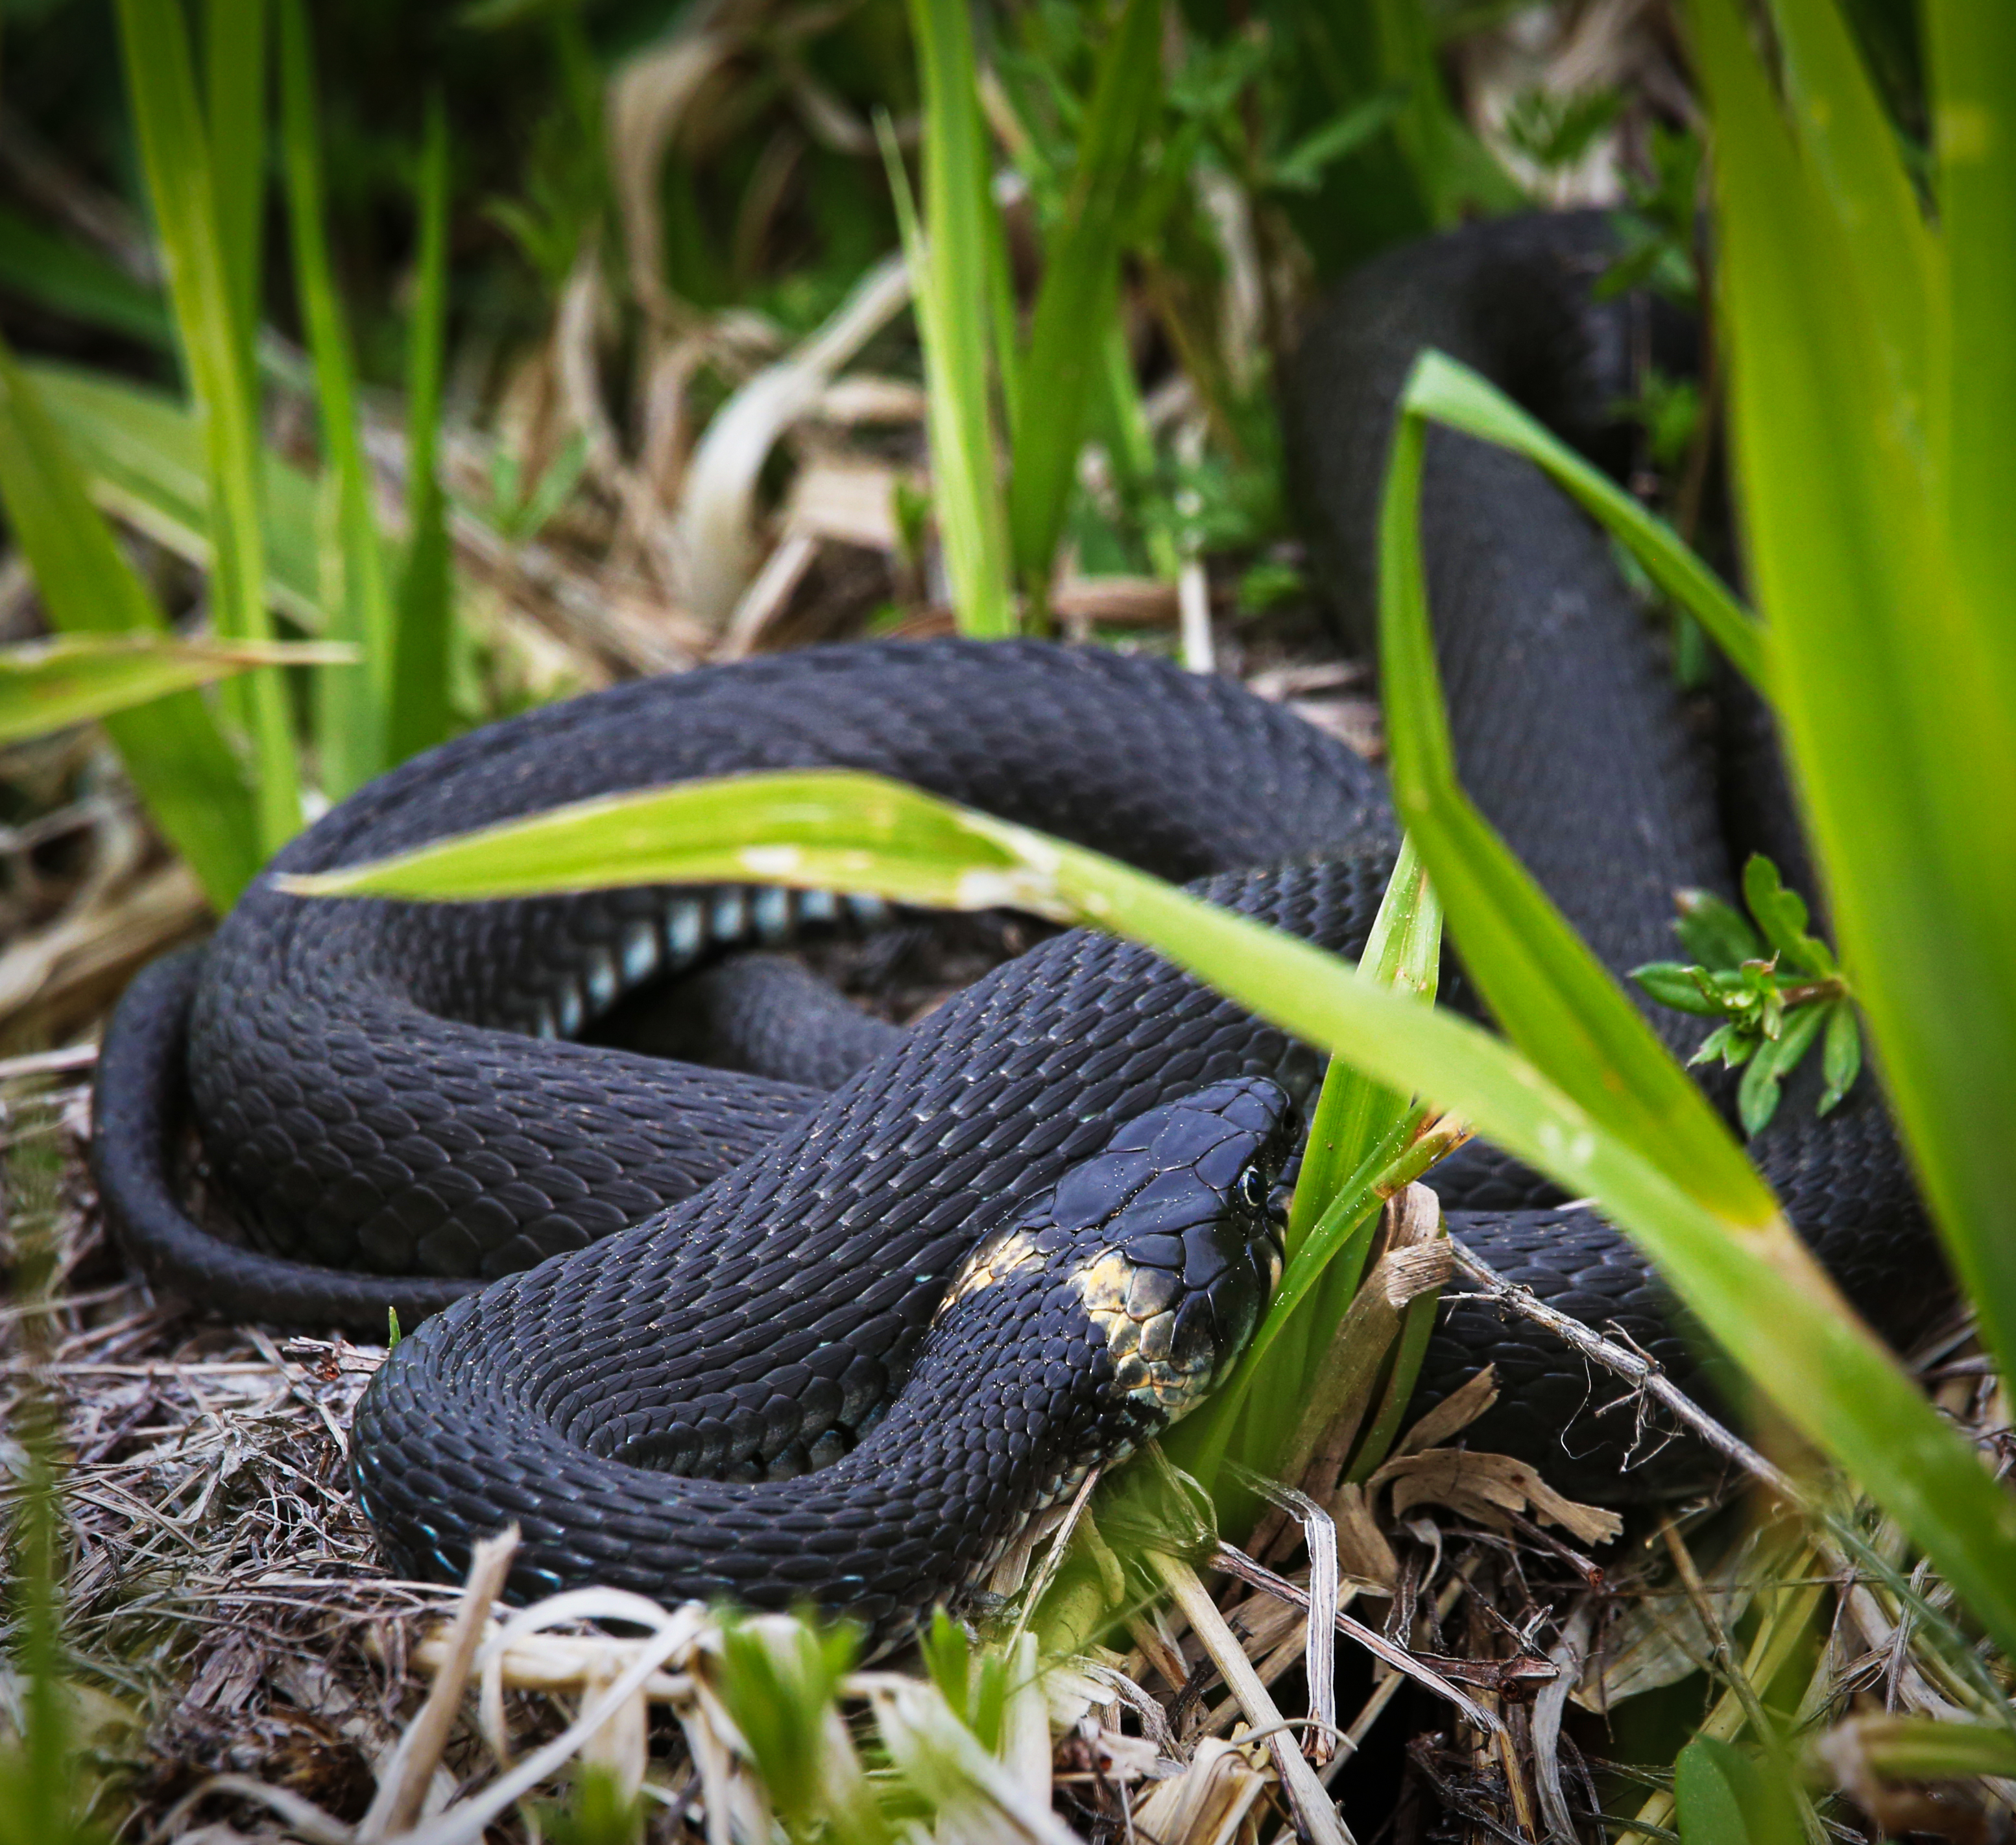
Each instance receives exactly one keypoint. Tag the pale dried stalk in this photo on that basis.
(404, 1785)
(1316, 1817)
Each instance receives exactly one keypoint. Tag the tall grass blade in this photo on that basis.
(175, 154)
(1056, 384)
(1848, 137)
(142, 454)
(1888, 612)
(1750, 1282)
(949, 268)
(1972, 50)
(420, 642)
(1355, 1131)
(234, 34)
(1555, 1000)
(1452, 393)
(46, 686)
(1352, 1115)
(351, 708)
(186, 773)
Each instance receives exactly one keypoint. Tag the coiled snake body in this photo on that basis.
(837, 1338)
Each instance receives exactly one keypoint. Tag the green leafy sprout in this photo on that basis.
(1774, 989)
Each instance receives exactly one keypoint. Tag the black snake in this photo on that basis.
(833, 1325)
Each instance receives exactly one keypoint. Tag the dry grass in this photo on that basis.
(229, 1619)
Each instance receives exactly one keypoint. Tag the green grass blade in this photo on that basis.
(1554, 998)
(1453, 393)
(1055, 385)
(234, 102)
(78, 283)
(184, 771)
(1451, 166)
(1892, 680)
(1403, 952)
(1849, 136)
(949, 268)
(48, 685)
(420, 652)
(1751, 1283)
(143, 461)
(351, 708)
(1972, 49)
(175, 155)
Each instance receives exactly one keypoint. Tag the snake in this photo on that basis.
(831, 1317)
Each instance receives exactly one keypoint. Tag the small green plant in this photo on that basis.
(1554, 131)
(1658, 227)
(1774, 994)
(518, 510)
(599, 1810)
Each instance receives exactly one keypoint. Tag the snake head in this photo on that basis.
(1167, 1242)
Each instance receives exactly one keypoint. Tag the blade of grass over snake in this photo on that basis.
(351, 708)
(948, 265)
(1453, 394)
(418, 715)
(186, 773)
(175, 155)
(1055, 385)
(1891, 652)
(1555, 1000)
(48, 685)
(141, 455)
(1748, 1279)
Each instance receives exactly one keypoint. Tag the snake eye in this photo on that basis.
(1253, 1189)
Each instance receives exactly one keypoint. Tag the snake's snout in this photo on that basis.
(1167, 1242)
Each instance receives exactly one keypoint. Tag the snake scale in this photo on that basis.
(833, 1324)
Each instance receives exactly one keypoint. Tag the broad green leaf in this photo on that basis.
(1971, 65)
(949, 267)
(47, 685)
(419, 715)
(1890, 646)
(1453, 394)
(1053, 386)
(1673, 983)
(1840, 1053)
(1752, 1284)
(1848, 137)
(1781, 914)
(143, 457)
(1554, 998)
(1757, 1095)
(1715, 933)
(352, 709)
(1727, 1799)
(184, 771)
(176, 156)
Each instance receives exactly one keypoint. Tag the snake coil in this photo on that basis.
(833, 1324)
